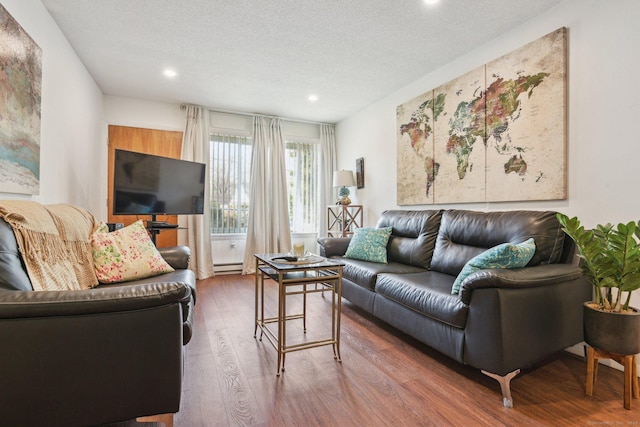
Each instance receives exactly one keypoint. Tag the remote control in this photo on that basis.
(286, 258)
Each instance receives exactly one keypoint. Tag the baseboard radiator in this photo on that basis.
(235, 268)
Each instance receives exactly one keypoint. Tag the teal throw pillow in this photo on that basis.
(369, 244)
(506, 255)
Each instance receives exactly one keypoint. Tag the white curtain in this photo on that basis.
(328, 163)
(195, 147)
(268, 230)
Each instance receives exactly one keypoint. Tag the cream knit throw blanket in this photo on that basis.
(75, 226)
(54, 242)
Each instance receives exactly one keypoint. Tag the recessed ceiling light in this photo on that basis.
(313, 98)
(432, 2)
(170, 73)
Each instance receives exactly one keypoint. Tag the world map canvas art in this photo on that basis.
(496, 133)
(20, 97)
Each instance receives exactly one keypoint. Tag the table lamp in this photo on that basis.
(343, 179)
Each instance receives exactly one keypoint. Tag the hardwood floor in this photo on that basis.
(385, 378)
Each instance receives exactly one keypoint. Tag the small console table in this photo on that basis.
(342, 220)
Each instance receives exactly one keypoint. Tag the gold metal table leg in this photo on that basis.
(304, 307)
(255, 323)
(338, 291)
(282, 331)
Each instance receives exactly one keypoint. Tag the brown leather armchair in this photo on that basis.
(90, 357)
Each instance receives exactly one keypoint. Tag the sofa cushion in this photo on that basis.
(369, 244)
(413, 236)
(428, 293)
(364, 273)
(12, 271)
(506, 255)
(465, 234)
(126, 254)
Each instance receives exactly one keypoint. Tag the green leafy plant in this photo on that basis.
(610, 260)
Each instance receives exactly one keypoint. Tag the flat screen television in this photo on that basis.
(145, 184)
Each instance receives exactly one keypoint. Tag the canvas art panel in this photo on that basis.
(360, 172)
(20, 97)
(459, 140)
(528, 158)
(415, 153)
(497, 133)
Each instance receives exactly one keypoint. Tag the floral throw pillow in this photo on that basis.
(369, 244)
(506, 255)
(126, 254)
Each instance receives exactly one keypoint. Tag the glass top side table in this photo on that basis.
(311, 274)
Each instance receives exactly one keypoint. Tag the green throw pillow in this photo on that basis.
(369, 244)
(506, 255)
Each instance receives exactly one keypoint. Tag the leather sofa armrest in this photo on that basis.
(106, 350)
(177, 257)
(527, 277)
(99, 300)
(519, 317)
(333, 246)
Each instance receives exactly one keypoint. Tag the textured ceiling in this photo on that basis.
(268, 56)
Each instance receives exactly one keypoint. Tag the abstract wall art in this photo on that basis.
(20, 96)
(496, 133)
(360, 172)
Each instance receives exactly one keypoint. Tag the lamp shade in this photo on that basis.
(343, 179)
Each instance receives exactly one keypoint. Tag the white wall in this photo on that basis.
(70, 134)
(603, 113)
(137, 113)
(603, 109)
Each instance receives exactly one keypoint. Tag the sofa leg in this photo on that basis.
(165, 419)
(505, 385)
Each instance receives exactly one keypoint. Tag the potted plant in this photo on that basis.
(610, 259)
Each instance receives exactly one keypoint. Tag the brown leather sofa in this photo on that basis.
(503, 319)
(91, 357)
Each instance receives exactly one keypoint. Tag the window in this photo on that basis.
(230, 184)
(303, 165)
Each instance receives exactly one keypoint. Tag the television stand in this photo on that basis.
(160, 224)
(155, 227)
